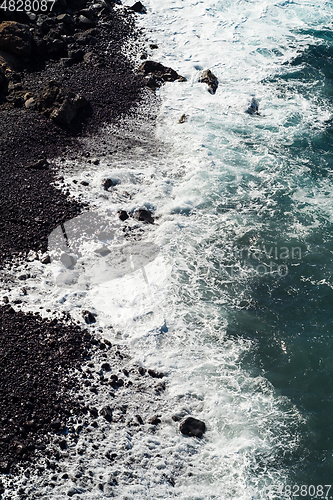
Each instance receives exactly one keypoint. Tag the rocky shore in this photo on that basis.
(63, 75)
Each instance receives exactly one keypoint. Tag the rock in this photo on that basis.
(154, 420)
(139, 8)
(153, 46)
(85, 23)
(155, 374)
(55, 46)
(16, 38)
(95, 161)
(59, 104)
(211, 80)
(156, 74)
(41, 164)
(253, 109)
(145, 216)
(192, 427)
(4, 467)
(183, 118)
(139, 419)
(106, 412)
(89, 317)
(65, 18)
(30, 103)
(107, 183)
(46, 260)
(76, 55)
(123, 215)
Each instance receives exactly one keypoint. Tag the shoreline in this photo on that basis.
(45, 431)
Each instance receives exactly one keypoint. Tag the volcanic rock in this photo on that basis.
(123, 215)
(16, 38)
(145, 216)
(59, 104)
(139, 8)
(107, 183)
(192, 427)
(88, 317)
(156, 74)
(211, 80)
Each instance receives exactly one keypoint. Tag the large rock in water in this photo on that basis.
(59, 104)
(211, 80)
(16, 38)
(156, 74)
(192, 427)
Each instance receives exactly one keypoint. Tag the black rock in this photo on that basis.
(192, 427)
(155, 374)
(210, 79)
(41, 164)
(106, 412)
(145, 216)
(253, 109)
(89, 317)
(139, 8)
(156, 74)
(123, 215)
(107, 183)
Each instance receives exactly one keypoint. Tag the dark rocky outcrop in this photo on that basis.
(192, 427)
(16, 38)
(253, 109)
(107, 183)
(156, 74)
(210, 79)
(59, 104)
(144, 216)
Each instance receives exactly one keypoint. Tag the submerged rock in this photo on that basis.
(139, 8)
(253, 109)
(192, 427)
(156, 74)
(208, 77)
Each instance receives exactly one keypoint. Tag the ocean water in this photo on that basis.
(236, 303)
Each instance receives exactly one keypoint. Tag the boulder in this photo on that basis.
(156, 74)
(123, 215)
(54, 46)
(59, 104)
(253, 109)
(88, 317)
(192, 427)
(139, 8)
(16, 38)
(211, 80)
